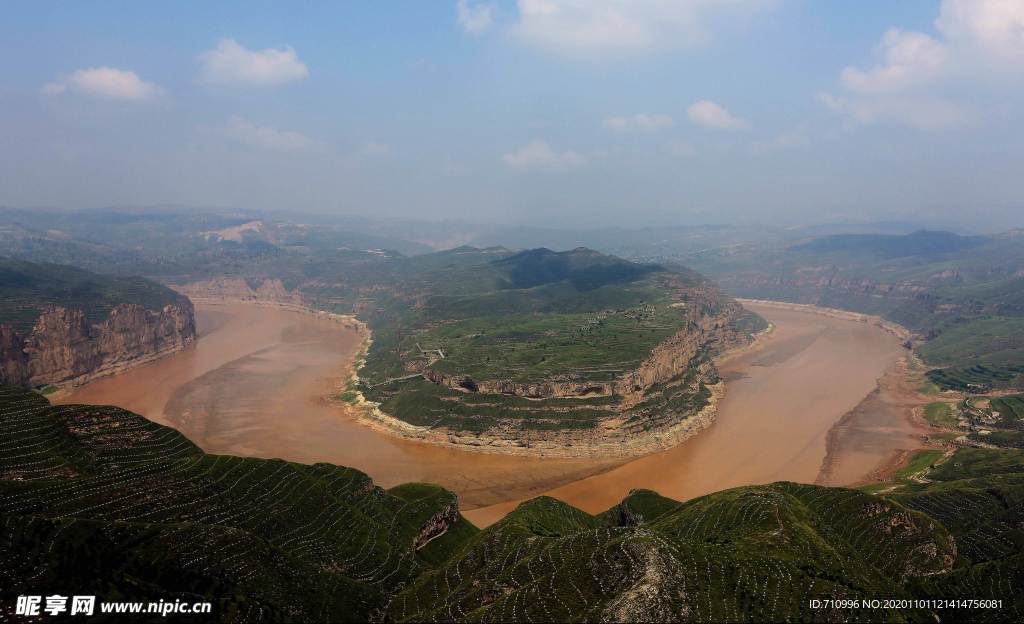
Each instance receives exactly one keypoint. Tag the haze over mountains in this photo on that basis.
(936, 283)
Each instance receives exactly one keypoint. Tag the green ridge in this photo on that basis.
(106, 502)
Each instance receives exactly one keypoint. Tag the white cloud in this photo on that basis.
(911, 84)
(539, 155)
(994, 26)
(475, 19)
(707, 113)
(105, 82)
(910, 58)
(917, 111)
(640, 121)
(581, 27)
(232, 64)
(266, 137)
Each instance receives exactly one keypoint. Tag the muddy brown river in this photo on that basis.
(256, 383)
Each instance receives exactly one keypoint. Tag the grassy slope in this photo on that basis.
(103, 501)
(523, 315)
(978, 495)
(747, 554)
(26, 288)
(940, 414)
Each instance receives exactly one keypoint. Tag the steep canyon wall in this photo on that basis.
(63, 347)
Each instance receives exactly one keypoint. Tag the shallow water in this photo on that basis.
(255, 384)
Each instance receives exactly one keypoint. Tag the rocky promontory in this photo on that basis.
(65, 348)
(64, 326)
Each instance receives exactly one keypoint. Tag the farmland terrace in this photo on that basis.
(111, 504)
(543, 352)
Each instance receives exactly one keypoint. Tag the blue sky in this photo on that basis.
(550, 112)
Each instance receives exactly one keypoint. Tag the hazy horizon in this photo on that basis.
(545, 113)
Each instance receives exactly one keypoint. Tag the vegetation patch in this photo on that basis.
(27, 288)
(919, 462)
(978, 378)
(596, 346)
(940, 414)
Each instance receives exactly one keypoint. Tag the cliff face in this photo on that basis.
(704, 333)
(237, 289)
(537, 390)
(63, 347)
(436, 525)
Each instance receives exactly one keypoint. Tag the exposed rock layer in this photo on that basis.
(238, 289)
(65, 348)
(437, 525)
(613, 438)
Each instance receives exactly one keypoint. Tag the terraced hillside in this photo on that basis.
(963, 295)
(108, 503)
(61, 324)
(101, 501)
(748, 554)
(548, 352)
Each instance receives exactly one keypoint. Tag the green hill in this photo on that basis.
(105, 502)
(97, 500)
(27, 288)
(583, 268)
(478, 341)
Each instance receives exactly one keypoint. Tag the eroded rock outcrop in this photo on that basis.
(437, 524)
(63, 347)
(237, 289)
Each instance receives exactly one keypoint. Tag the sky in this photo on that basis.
(564, 113)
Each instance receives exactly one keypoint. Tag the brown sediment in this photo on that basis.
(258, 382)
(895, 329)
(878, 434)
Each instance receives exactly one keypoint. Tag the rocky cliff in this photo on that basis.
(703, 334)
(64, 347)
(237, 289)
